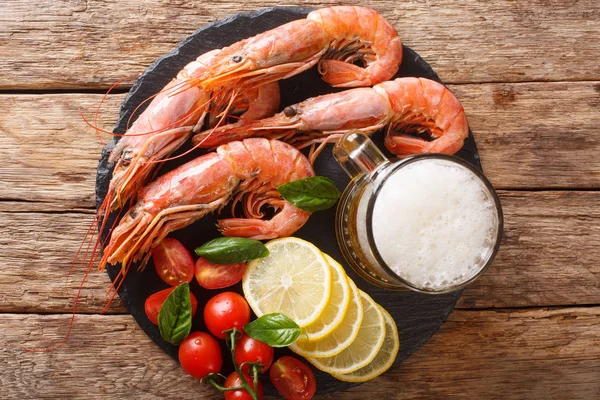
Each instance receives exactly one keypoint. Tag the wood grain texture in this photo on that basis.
(533, 135)
(92, 44)
(536, 134)
(548, 253)
(39, 250)
(529, 354)
(548, 257)
(524, 139)
(50, 154)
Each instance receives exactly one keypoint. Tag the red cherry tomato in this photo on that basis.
(225, 311)
(218, 276)
(173, 263)
(155, 302)
(293, 379)
(200, 355)
(252, 350)
(234, 380)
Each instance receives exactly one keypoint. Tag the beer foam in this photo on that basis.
(434, 223)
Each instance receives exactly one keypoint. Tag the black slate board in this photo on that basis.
(418, 316)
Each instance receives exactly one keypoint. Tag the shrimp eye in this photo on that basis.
(133, 214)
(236, 59)
(289, 111)
(126, 157)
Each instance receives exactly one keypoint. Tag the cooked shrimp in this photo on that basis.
(249, 170)
(354, 46)
(169, 121)
(404, 106)
(336, 37)
(160, 130)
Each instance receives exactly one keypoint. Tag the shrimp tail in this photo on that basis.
(341, 74)
(424, 107)
(365, 48)
(285, 223)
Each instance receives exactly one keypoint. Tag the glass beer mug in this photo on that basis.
(368, 223)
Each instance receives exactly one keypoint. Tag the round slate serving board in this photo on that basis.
(418, 316)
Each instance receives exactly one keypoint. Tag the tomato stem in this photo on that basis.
(255, 371)
(233, 336)
(252, 364)
(221, 388)
(211, 379)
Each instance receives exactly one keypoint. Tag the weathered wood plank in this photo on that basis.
(39, 251)
(548, 253)
(536, 135)
(49, 153)
(548, 257)
(95, 43)
(529, 354)
(16, 206)
(524, 139)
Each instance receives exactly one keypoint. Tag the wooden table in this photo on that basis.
(528, 75)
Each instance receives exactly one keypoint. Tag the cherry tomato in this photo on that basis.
(252, 350)
(200, 355)
(234, 380)
(293, 379)
(155, 302)
(218, 276)
(173, 263)
(225, 311)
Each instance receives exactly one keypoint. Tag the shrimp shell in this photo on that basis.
(404, 106)
(251, 169)
(337, 38)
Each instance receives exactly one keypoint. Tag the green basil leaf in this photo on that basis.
(231, 250)
(310, 194)
(276, 330)
(175, 315)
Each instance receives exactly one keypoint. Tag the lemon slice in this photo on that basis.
(336, 308)
(364, 348)
(340, 338)
(294, 279)
(383, 360)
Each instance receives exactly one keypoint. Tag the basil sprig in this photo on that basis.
(275, 329)
(175, 315)
(231, 250)
(310, 194)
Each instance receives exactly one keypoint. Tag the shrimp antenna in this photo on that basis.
(99, 130)
(89, 237)
(102, 102)
(90, 230)
(169, 92)
(166, 129)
